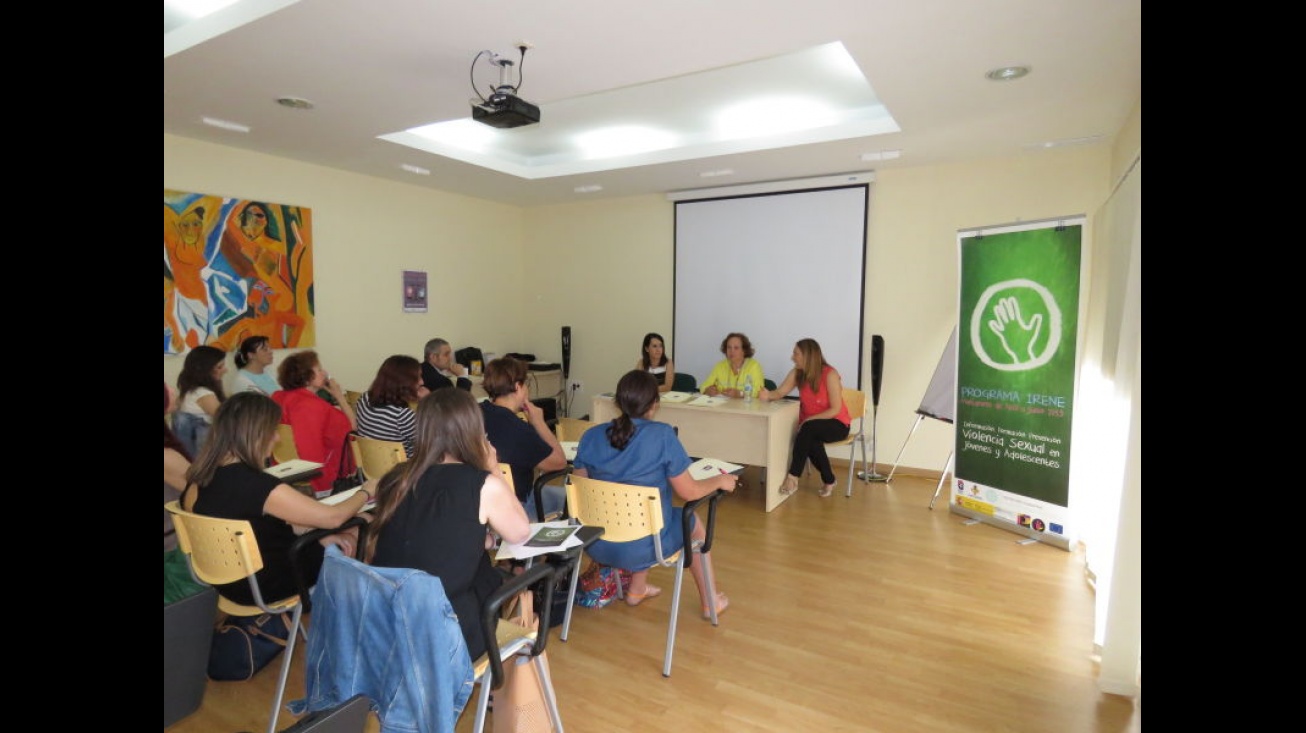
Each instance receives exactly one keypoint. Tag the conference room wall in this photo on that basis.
(366, 232)
(609, 264)
(605, 267)
(624, 286)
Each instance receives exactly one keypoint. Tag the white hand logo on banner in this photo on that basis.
(1019, 336)
(1005, 314)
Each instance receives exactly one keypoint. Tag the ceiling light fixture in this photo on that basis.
(881, 155)
(224, 124)
(588, 189)
(714, 174)
(295, 103)
(416, 169)
(1066, 142)
(195, 9)
(1007, 73)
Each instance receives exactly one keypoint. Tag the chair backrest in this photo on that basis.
(856, 401)
(684, 382)
(571, 428)
(285, 449)
(625, 511)
(353, 397)
(376, 457)
(220, 550)
(506, 470)
(768, 385)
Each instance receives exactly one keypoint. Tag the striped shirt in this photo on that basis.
(386, 422)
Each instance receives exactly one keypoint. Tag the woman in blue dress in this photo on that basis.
(634, 449)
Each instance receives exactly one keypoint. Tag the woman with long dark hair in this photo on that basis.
(199, 389)
(654, 360)
(433, 511)
(634, 449)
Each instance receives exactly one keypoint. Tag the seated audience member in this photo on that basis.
(227, 481)
(199, 389)
(654, 360)
(178, 582)
(433, 510)
(822, 415)
(440, 370)
(176, 460)
(525, 446)
(253, 362)
(732, 374)
(385, 410)
(320, 427)
(634, 449)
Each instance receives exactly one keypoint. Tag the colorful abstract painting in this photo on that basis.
(235, 268)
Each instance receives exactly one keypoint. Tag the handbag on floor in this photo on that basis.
(242, 645)
(597, 586)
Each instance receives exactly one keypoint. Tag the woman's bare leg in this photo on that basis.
(701, 563)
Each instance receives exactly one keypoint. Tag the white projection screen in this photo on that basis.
(777, 267)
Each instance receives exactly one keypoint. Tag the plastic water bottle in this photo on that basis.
(748, 389)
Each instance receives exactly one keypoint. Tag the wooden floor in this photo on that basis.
(866, 614)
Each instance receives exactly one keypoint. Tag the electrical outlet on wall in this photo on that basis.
(574, 386)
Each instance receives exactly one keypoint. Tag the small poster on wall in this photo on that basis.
(414, 291)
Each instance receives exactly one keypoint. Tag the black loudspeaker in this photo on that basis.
(566, 351)
(877, 368)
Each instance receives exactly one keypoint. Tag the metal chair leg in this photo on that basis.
(285, 667)
(675, 614)
(550, 699)
(571, 597)
(483, 700)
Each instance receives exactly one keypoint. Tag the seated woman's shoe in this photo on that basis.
(722, 603)
(826, 490)
(789, 486)
(651, 591)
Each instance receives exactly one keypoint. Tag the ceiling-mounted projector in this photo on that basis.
(503, 108)
(506, 110)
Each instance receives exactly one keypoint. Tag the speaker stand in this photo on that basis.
(873, 475)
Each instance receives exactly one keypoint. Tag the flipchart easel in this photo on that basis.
(940, 403)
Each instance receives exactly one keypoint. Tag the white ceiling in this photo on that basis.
(378, 68)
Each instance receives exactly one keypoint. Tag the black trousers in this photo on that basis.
(809, 444)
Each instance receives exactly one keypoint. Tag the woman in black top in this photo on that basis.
(433, 510)
(227, 481)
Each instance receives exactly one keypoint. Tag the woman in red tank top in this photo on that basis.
(822, 415)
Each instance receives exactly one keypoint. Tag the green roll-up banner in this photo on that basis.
(1018, 324)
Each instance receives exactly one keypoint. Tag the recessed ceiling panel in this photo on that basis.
(810, 96)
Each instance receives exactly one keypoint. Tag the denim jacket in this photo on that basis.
(391, 634)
